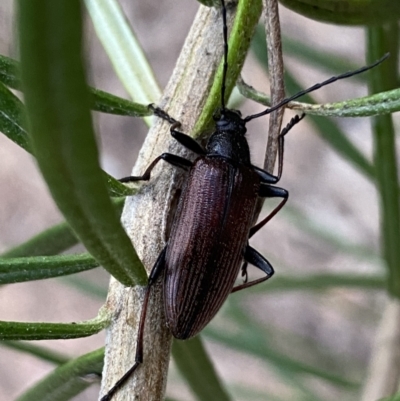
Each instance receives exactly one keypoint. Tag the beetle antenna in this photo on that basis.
(225, 66)
(315, 87)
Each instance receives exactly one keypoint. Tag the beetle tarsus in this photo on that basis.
(157, 111)
(244, 272)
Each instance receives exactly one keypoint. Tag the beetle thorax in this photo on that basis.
(229, 138)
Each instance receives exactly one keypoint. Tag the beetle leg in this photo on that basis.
(268, 191)
(155, 272)
(187, 141)
(266, 177)
(281, 140)
(175, 160)
(256, 259)
(162, 114)
(244, 272)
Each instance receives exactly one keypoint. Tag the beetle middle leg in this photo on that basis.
(155, 273)
(266, 189)
(174, 160)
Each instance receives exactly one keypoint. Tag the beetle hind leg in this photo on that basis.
(244, 273)
(269, 191)
(155, 272)
(256, 259)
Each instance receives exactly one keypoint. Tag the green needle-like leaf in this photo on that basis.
(101, 101)
(347, 12)
(86, 287)
(379, 103)
(331, 133)
(247, 16)
(255, 342)
(52, 331)
(13, 124)
(58, 104)
(38, 351)
(12, 118)
(124, 51)
(68, 380)
(52, 241)
(49, 242)
(327, 129)
(108, 103)
(9, 72)
(116, 189)
(17, 270)
(322, 59)
(385, 157)
(323, 281)
(195, 366)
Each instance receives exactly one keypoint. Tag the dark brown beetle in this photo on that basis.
(213, 222)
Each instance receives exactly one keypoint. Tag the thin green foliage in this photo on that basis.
(101, 101)
(195, 366)
(17, 270)
(68, 380)
(63, 137)
(385, 155)
(38, 351)
(53, 331)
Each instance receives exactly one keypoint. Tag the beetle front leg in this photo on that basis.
(155, 272)
(185, 140)
(256, 259)
(174, 160)
(266, 177)
(162, 114)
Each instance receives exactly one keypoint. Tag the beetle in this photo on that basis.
(210, 232)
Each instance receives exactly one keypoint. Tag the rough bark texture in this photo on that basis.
(275, 68)
(146, 218)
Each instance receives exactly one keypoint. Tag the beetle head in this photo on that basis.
(229, 120)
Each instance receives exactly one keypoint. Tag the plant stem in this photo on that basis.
(384, 370)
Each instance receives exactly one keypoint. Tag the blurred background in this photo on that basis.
(278, 341)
